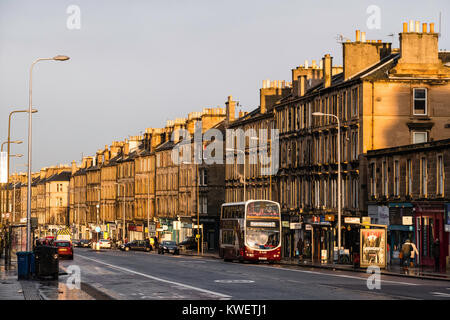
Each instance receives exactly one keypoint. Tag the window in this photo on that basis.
(227, 237)
(354, 102)
(420, 101)
(420, 137)
(440, 175)
(423, 176)
(409, 177)
(373, 180)
(384, 170)
(396, 178)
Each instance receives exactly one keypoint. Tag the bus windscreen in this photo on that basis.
(262, 209)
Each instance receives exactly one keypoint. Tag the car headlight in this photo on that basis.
(55, 256)
(165, 248)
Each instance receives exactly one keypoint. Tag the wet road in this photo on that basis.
(141, 276)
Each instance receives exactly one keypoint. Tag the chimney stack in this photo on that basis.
(327, 67)
(74, 166)
(358, 36)
(231, 109)
(302, 85)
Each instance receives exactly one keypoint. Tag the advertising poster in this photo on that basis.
(373, 248)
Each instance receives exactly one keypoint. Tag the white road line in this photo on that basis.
(441, 294)
(223, 296)
(338, 275)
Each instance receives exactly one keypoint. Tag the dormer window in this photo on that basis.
(420, 101)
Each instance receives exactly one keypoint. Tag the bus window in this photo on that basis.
(227, 237)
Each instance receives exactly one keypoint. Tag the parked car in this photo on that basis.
(189, 243)
(168, 246)
(138, 245)
(105, 243)
(65, 248)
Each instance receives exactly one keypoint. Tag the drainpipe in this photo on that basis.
(373, 109)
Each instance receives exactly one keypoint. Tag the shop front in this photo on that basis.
(135, 231)
(318, 238)
(429, 223)
(210, 233)
(400, 229)
(165, 231)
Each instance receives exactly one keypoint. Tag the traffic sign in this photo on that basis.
(97, 229)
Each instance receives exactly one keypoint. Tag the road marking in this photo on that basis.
(441, 294)
(234, 281)
(224, 296)
(337, 275)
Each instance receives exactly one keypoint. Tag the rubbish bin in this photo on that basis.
(47, 261)
(25, 265)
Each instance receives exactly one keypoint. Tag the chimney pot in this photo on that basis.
(306, 64)
(417, 26)
(358, 36)
(431, 27)
(411, 26)
(424, 27)
(405, 27)
(363, 37)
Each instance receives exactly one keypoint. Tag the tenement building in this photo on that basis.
(409, 192)
(383, 98)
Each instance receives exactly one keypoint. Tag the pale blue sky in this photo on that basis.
(135, 64)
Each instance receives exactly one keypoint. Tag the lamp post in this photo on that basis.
(339, 175)
(30, 111)
(238, 150)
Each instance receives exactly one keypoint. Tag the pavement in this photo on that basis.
(392, 269)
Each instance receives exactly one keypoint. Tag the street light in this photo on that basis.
(30, 111)
(238, 150)
(339, 175)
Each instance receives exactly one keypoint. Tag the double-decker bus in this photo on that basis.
(250, 231)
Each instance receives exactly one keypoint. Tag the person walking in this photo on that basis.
(436, 254)
(406, 254)
(300, 248)
(414, 254)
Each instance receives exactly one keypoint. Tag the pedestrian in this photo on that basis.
(300, 248)
(406, 254)
(388, 254)
(414, 254)
(436, 254)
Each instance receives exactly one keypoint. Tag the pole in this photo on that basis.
(198, 209)
(29, 152)
(148, 206)
(124, 227)
(339, 187)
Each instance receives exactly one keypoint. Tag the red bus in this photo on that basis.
(250, 231)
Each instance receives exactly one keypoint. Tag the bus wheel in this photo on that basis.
(227, 260)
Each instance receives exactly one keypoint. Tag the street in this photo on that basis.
(142, 276)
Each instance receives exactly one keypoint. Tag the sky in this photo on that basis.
(136, 64)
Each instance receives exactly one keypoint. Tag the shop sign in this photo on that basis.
(285, 224)
(176, 225)
(159, 229)
(407, 220)
(329, 217)
(164, 227)
(152, 227)
(315, 219)
(366, 220)
(373, 247)
(308, 227)
(295, 225)
(352, 220)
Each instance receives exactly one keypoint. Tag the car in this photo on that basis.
(168, 246)
(138, 245)
(65, 248)
(189, 243)
(76, 243)
(105, 243)
(84, 243)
